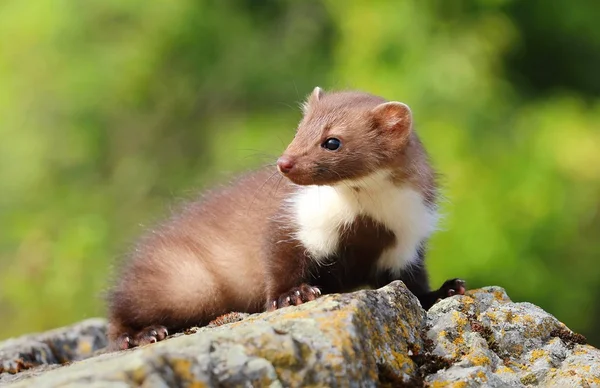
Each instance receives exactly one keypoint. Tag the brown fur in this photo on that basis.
(205, 261)
(234, 249)
(369, 142)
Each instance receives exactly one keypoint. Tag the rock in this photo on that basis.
(367, 338)
(51, 349)
(361, 338)
(495, 342)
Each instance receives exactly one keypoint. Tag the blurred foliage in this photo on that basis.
(111, 111)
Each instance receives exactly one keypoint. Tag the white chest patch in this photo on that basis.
(323, 212)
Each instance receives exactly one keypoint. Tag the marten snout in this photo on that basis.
(285, 164)
(296, 169)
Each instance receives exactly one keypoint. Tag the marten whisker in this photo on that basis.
(254, 197)
(279, 180)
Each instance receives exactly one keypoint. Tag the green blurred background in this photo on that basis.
(111, 111)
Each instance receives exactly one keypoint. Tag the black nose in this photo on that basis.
(285, 164)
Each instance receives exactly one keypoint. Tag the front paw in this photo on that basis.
(452, 287)
(295, 296)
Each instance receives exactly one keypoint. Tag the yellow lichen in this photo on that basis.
(537, 354)
(481, 375)
(493, 316)
(278, 357)
(522, 366)
(182, 369)
(459, 340)
(504, 369)
(529, 379)
(402, 360)
(459, 319)
(138, 375)
(580, 350)
(448, 384)
(528, 319)
(479, 360)
(84, 347)
(336, 325)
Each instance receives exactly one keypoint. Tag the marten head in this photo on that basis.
(345, 136)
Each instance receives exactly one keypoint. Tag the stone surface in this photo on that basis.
(329, 342)
(368, 338)
(51, 349)
(494, 342)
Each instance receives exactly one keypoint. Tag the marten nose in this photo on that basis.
(285, 164)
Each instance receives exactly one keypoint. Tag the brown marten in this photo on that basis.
(352, 203)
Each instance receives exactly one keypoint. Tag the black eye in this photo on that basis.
(331, 144)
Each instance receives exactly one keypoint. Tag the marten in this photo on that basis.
(351, 203)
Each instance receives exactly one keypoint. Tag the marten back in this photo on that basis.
(202, 262)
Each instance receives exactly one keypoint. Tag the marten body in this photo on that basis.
(355, 206)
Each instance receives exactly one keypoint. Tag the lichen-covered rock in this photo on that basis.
(492, 341)
(358, 339)
(51, 348)
(368, 338)
(581, 368)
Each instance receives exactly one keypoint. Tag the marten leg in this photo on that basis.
(417, 281)
(287, 267)
(426, 297)
(450, 287)
(169, 290)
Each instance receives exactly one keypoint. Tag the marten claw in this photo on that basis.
(123, 342)
(453, 287)
(151, 335)
(295, 297)
(148, 335)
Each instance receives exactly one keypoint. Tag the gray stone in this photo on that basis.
(337, 340)
(369, 338)
(51, 349)
(493, 341)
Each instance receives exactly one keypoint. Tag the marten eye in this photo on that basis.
(331, 144)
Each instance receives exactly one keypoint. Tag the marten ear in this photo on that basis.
(393, 116)
(315, 96)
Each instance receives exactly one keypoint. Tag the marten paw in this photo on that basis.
(295, 296)
(148, 335)
(453, 287)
